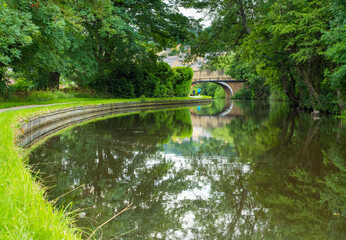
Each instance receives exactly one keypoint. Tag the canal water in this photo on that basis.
(236, 170)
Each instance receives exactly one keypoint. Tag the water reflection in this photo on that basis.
(260, 172)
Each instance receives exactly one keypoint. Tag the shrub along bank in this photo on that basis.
(25, 214)
(157, 79)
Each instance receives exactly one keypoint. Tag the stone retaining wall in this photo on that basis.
(44, 125)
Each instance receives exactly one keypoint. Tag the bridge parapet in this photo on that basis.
(231, 86)
(207, 75)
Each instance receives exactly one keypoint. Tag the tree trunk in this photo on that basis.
(340, 99)
(243, 16)
(54, 80)
(289, 91)
(2, 72)
(306, 76)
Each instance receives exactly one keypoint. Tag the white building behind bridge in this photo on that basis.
(178, 61)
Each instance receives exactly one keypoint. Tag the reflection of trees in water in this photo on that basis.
(282, 177)
(289, 173)
(294, 187)
(118, 162)
(334, 192)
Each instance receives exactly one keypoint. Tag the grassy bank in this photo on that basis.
(25, 214)
(83, 101)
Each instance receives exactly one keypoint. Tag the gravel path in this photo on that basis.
(45, 105)
(31, 106)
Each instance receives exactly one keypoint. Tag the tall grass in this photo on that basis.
(24, 212)
(21, 98)
(49, 95)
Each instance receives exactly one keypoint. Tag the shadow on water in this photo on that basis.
(265, 173)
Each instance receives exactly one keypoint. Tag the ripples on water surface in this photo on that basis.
(227, 171)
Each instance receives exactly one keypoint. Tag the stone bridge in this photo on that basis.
(231, 86)
(230, 112)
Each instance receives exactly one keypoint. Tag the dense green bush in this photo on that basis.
(159, 80)
(23, 84)
(182, 81)
(153, 79)
(219, 92)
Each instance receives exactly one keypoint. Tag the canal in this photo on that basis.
(236, 170)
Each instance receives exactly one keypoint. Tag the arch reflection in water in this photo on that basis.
(259, 174)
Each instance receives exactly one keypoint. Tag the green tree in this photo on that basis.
(336, 48)
(254, 87)
(182, 81)
(17, 30)
(104, 44)
(289, 44)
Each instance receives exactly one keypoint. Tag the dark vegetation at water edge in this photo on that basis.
(292, 50)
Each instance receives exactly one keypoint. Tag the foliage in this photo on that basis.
(182, 81)
(174, 52)
(160, 78)
(48, 96)
(16, 32)
(142, 98)
(22, 84)
(86, 42)
(220, 92)
(152, 79)
(254, 87)
(295, 47)
(336, 53)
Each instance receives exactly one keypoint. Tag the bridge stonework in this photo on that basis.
(230, 85)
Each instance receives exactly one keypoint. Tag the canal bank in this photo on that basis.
(200, 173)
(25, 213)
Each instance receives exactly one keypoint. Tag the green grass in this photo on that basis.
(24, 211)
(25, 214)
(69, 100)
(85, 101)
(45, 97)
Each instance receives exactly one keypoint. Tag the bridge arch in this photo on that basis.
(228, 90)
(230, 85)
